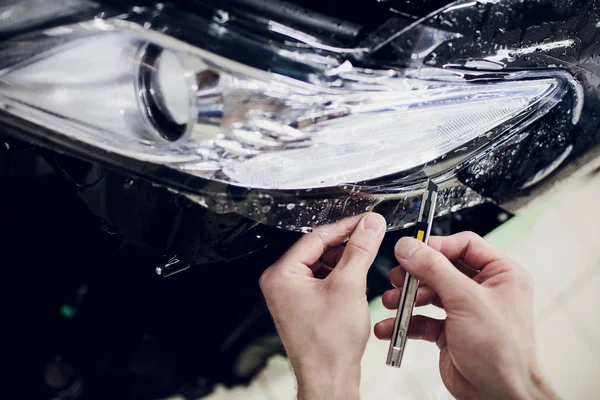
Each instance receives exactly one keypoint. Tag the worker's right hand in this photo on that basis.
(486, 341)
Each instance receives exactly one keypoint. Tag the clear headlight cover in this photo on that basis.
(121, 86)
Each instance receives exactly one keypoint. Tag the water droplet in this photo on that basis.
(221, 16)
(290, 206)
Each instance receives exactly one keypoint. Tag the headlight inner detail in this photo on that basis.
(166, 91)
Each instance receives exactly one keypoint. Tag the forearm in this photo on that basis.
(329, 385)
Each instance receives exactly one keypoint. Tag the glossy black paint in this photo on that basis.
(165, 223)
(487, 27)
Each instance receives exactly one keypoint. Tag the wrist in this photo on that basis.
(534, 387)
(539, 389)
(331, 383)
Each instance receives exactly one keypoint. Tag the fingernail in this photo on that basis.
(374, 224)
(406, 247)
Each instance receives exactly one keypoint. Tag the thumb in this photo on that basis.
(433, 269)
(363, 245)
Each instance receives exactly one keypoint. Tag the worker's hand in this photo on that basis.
(486, 341)
(317, 295)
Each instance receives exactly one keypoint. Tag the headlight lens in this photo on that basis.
(224, 121)
(129, 89)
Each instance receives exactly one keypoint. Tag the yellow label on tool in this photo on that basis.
(420, 235)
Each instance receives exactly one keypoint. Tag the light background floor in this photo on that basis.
(557, 242)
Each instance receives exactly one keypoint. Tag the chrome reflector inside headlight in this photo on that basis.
(394, 137)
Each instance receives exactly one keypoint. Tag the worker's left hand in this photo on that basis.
(317, 295)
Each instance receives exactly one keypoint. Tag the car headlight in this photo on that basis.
(300, 139)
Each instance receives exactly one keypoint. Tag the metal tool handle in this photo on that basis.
(402, 322)
(411, 284)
